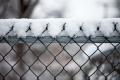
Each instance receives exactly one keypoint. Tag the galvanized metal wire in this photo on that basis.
(60, 58)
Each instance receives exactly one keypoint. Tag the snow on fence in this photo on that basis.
(59, 49)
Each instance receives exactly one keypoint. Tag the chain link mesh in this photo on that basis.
(61, 58)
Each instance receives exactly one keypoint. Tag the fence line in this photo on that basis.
(59, 58)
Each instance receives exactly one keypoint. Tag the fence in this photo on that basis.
(60, 58)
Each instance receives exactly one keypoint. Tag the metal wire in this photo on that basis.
(60, 58)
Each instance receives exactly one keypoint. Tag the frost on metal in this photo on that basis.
(59, 27)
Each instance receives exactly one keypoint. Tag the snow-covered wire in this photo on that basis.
(55, 26)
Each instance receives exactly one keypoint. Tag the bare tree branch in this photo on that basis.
(26, 9)
(5, 6)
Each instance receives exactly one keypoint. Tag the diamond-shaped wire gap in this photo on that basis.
(71, 58)
(63, 49)
(29, 76)
(37, 48)
(12, 58)
(79, 76)
(87, 57)
(11, 67)
(117, 47)
(69, 55)
(63, 58)
(106, 68)
(110, 42)
(33, 65)
(33, 57)
(55, 68)
(106, 47)
(99, 44)
(20, 49)
(4, 67)
(63, 76)
(117, 68)
(114, 58)
(38, 68)
(5, 48)
(21, 68)
(48, 43)
(115, 55)
(115, 44)
(29, 58)
(89, 68)
(107, 51)
(113, 76)
(46, 76)
(20, 53)
(12, 76)
(106, 58)
(97, 76)
(30, 48)
(46, 58)
(81, 45)
(103, 65)
(72, 48)
(89, 49)
(16, 64)
(7, 54)
(46, 46)
(55, 48)
(59, 54)
(9, 70)
(50, 51)
(80, 58)
(98, 58)
(72, 68)
(64, 46)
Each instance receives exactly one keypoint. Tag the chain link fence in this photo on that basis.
(60, 58)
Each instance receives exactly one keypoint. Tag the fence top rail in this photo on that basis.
(63, 39)
(60, 29)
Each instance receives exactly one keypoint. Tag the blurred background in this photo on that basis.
(27, 60)
(82, 9)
